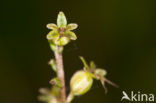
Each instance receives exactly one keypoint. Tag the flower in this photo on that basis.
(61, 33)
(97, 73)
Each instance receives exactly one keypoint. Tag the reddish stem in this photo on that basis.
(60, 71)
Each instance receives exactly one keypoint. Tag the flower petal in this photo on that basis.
(71, 26)
(100, 72)
(61, 20)
(71, 35)
(52, 26)
(52, 35)
(92, 65)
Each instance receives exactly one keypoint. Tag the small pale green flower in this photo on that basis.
(97, 73)
(47, 96)
(61, 33)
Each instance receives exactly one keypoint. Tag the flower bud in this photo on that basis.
(81, 82)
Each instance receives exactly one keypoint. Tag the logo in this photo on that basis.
(137, 97)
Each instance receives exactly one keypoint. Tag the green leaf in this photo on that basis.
(52, 26)
(71, 35)
(71, 26)
(84, 62)
(61, 20)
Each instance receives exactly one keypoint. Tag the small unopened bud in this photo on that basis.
(81, 82)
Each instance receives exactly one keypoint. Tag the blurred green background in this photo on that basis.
(119, 35)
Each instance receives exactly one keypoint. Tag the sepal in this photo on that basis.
(71, 35)
(52, 26)
(61, 20)
(71, 26)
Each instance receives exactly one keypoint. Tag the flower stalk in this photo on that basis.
(60, 72)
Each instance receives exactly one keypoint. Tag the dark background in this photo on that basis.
(119, 35)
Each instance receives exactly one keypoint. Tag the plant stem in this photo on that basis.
(60, 71)
(70, 98)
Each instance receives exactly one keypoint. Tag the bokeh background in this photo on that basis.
(119, 35)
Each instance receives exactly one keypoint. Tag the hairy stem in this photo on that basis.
(60, 71)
